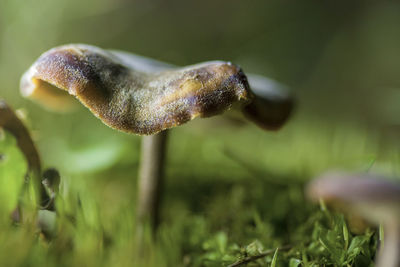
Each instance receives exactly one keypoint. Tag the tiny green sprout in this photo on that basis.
(274, 258)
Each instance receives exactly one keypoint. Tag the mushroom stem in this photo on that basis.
(151, 172)
(388, 255)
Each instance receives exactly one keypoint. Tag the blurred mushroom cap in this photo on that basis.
(373, 197)
(272, 105)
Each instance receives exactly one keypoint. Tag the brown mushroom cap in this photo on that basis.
(130, 99)
(373, 197)
(144, 96)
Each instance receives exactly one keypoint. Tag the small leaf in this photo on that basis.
(356, 246)
(345, 236)
(222, 241)
(294, 262)
(12, 171)
(254, 248)
(273, 262)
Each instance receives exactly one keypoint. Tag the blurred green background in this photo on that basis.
(340, 58)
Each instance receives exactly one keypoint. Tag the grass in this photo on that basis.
(231, 193)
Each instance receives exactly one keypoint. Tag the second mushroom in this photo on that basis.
(373, 197)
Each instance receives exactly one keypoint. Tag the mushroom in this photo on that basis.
(373, 197)
(142, 96)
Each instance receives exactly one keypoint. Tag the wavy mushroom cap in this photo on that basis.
(373, 197)
(130, 99)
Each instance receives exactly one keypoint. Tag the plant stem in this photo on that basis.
(151, 174)
(11, 123)
(256, 257)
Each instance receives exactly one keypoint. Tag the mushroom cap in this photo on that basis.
(373, 197)
(129, 98)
